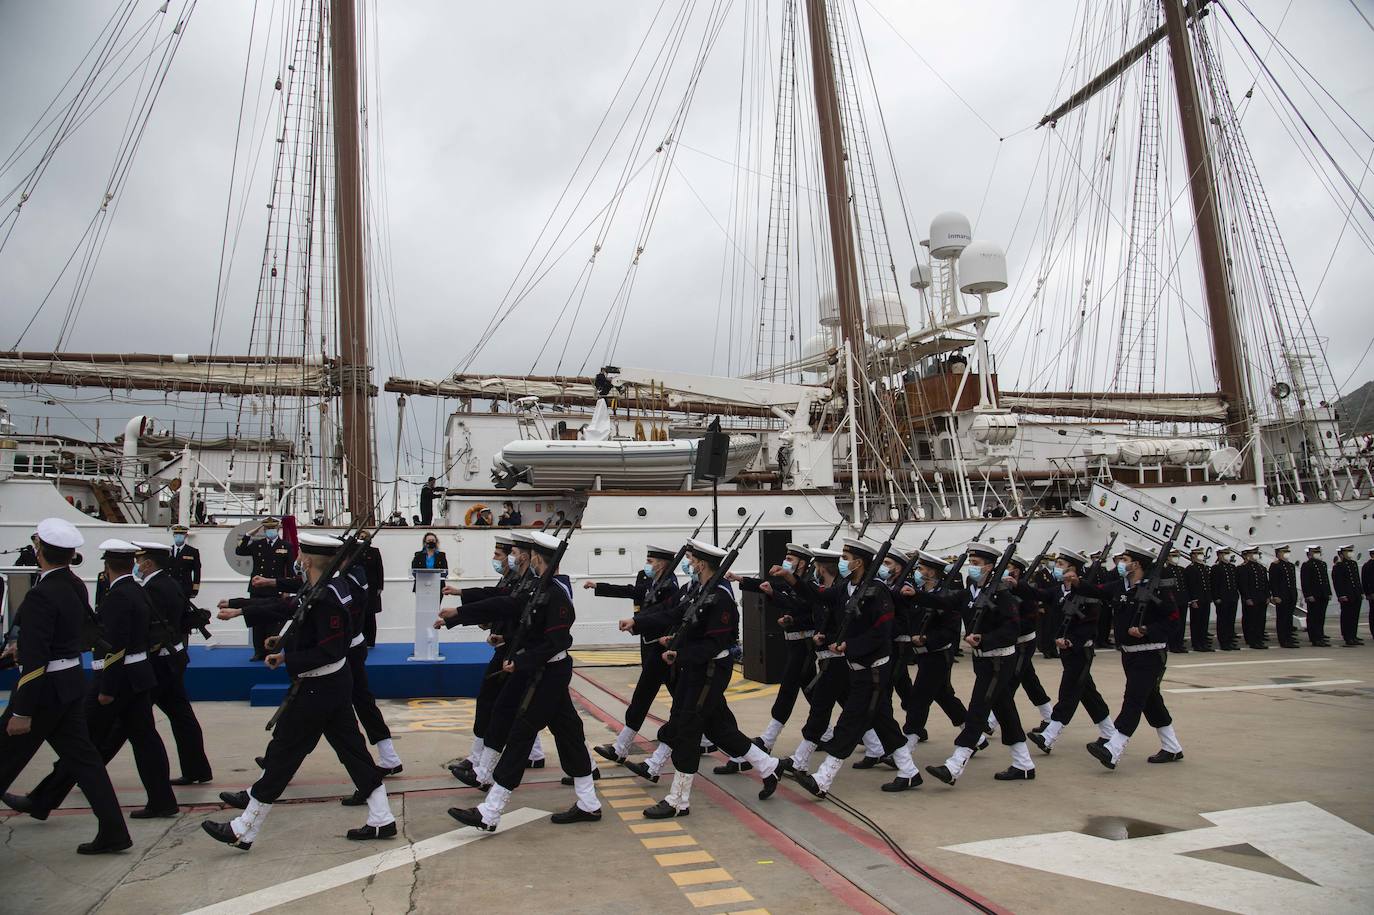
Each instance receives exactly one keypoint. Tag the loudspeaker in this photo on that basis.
(765, 650)
(713, 451)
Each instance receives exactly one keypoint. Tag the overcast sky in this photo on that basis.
(484, 111)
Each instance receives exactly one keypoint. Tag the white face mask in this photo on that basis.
(512, 562)
(686, 567)
(498, 566)
(648, 570)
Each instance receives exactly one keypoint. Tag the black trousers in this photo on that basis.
(370, 629)
(1226, 620)
(1316, 620)
(1350, 617)
(1144, 672)
(901, 676)
(1076, 687)
(321, 707)
(699, 707)
(170, 696)
(1252, 622)
(364, 703)
(1283, 620)
(128, 718)
(993, 691)
(1199, 621)
(831, 687)
(492, 681)
(653, 676)
(63, 728)
(1026, 677)
(932, 686)
(798, 671)
(544, 702)
(868, 704)
(1104, 629)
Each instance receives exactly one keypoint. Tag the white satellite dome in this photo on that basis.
(920, 277)
(886, 316)
(950, 233)
(814, 348)
(830, 310)
(982, 268)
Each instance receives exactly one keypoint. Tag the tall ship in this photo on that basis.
(1163, 355)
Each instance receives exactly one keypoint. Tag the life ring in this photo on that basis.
(470, 517)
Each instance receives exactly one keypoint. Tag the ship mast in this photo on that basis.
(354, 371)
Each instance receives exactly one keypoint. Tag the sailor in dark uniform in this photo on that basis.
(538, 669)
(1075, 636)
(993, 640)
(167, 652)
(46, 704)
(272, 558)
(1197, 589)
(934, 631)
(701, 654)
(1029, 614)
(184, 566)
(1253, 579)
(1367, 586)
(1226, 596)
(360, 612)
(1345, 582)
(1142, 636)
(119, 704)
(655, 584)
(831, 682)
(315, 652)
(1283, 585)
(1178, 640)
(1316, 592)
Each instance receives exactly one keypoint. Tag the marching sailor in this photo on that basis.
(831, 682)
(934, 631)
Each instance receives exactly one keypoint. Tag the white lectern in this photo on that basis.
(429, 584)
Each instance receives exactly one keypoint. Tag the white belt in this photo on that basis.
(799, 635)
(921, 649)
(723, 654)
(62, 664)
(558, 657)
(1023, 639)
(1087, 644)
(324, 671)
(173, 649)
(357, 640)
(1152, 646)
(902, 638)
(878, 663)
(97, 664)
(995, 652)
(135, 657)
(826, 653)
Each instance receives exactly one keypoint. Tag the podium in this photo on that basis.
(429, 584)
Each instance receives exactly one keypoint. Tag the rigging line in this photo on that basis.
(1362, 15)
(739, 166)
(723, 231)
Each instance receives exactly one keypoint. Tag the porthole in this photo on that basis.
(691, 513)
(1204, 498)
(742, 511)
(644, 511)
(787, 511)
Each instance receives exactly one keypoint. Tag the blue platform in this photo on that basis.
(227, 674)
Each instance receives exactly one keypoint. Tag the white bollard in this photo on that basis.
(429, 584)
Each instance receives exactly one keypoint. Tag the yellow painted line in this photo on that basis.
(703, 898)
(637, 802)
(622, 792)
(706, 875)
(750, 912)
(674, 859)
(668, 842)
(640, 829)
(630, 815)
(620, 780)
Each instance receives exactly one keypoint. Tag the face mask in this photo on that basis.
(884, 573)
(431, 546)
(686, 567)
(787, 566)
(511, 562)
(1006, 575)
(179, 539)
(1283, 556)
(498, 566)
(271, 535)
(1057, 573)
(844, 568)
(1121, 569)
(648, 570)
(138, 572)
(975, 574)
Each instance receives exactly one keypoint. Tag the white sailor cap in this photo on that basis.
(1249, 550)
(1348, 546)
(151, 546)
(59, 533)
(898, 556)
(983, 549)
(522, 540)
(704, 550)
(1311, 547)
(547, 544)
(1198, 551)
(823, 555)
(318, 544)
(930, 560)
(1136, 551)
(115, 547)
(861, 547)
(1021, 562)
(504, 542)
(1282, 547)
(270, 522)
(659, 552)
(1223, 550)
(796, 549)
(1073, 558)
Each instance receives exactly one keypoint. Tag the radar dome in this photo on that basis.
(920, 277)
(886, 316)
(830, 310)
(950, 233)
(982, 268)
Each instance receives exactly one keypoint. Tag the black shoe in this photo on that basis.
(922, 736)
(534, 764)
(261, 761)
(220, 832)
(942, 773)
(607, 751)
(1259, 646)
(1038, 739)
(868, 762)
(665, 811)
(1290, 644)
(148, 813)
(388, 771)
(1351, 643)
(236, 799)
(983, 744)
(1205, 649)
(24, 804)
(104, 846)
(1164, 756)
(463, 766)
(1358, 641)
(367, 833)
(467, 777)
(1039, 727)
(182, 780)
(809, 783)
(1013, 774)
(576, 814)
(356, 799)
(787, 767)
(567, 780)
(1100, 753)
(470, 816)
(1229, 647)
(901, 783)
(641, 769)
(730, 767)
(770, 785)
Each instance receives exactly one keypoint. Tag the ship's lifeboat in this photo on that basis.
(619, 464)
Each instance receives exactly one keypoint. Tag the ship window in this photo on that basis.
(21, 463)
(1252, 532)
(1173, 500)
(1204, 498)
(691, 513)
(643, 511)
(1233, 497)
(787, 511)
(741, 511)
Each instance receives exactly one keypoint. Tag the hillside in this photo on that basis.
(1357, 410)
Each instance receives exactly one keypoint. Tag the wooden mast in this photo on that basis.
(1226, 350)
(355, 371)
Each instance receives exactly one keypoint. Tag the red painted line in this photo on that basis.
(823, 813)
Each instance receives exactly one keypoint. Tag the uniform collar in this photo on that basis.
(121, 578)
(148, 578)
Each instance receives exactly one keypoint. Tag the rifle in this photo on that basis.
(825, 544)
(1073, 604)
(926, 542)
(851, 607)
(952, 573)
(1040, 557)
(692, 611)
(681, 552)
(983, 601)
(863, 529)
(200, 619)
(539, 595)
(1145, 591)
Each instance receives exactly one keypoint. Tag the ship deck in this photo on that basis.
(1270, 811)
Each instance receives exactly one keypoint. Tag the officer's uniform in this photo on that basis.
(272, 558)
(1197, 588)
(50, 690)
(1345, 582)
(1367, 585)
(184, 566)
(167, 653)
(1253, 579)
(1316, 592)
(126, 674)
(1226, 596)
(1283, 584)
